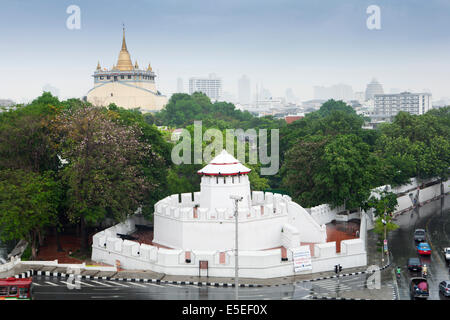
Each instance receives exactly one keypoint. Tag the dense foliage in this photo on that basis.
(68, 162)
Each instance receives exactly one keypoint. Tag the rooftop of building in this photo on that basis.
(224, 164)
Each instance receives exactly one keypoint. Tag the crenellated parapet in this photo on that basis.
(185, 207)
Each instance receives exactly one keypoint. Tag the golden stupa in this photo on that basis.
(124, 62)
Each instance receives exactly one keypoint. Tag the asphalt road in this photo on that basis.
(55, 288)
(434, 217)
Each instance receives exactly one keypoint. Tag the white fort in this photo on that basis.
(275, 233)
(205, 220)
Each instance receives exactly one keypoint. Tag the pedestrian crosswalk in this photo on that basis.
(101, 284)
(333, 285)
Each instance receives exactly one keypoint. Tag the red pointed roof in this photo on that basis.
(224, 164)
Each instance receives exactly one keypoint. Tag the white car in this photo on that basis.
(447, 254)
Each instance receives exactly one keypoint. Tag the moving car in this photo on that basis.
(447, 254)
(444, 288)
(418, 288)
(424, 249)
(414, 264)
(419, 235)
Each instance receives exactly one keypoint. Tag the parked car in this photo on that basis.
(424, 249)
(418, 288)
(419, 235)
(447, 254)
(414, 264)
(444, 288)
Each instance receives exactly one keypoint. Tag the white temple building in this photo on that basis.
(191, 228)
(127, 85)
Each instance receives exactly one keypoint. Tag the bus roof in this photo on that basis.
(15, 281)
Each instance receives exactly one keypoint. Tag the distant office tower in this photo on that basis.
(373, 88)
(290, 96)
(211, 86)
(264, 94)
(388, 105)
(244, 92)
(360, 96)
(180, 86)
(336, 92)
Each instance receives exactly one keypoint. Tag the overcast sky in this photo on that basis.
(279, 44)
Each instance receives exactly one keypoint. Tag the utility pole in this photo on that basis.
(384, 242)
(236, 263)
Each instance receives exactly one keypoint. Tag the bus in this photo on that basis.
(15, 289)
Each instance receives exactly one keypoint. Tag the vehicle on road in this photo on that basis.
(16, 289)
(418, 288)
(419, 235)
(398, 272)
(424, 271)
(414, 264)
(424, 249)
(447, 254)
(444, 288)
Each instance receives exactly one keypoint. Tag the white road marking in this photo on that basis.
(51, 283)
(136, 284)
(156, 285)
(173, 285)
(37, 284)
(84, 283)
(118, 284)
(101, 283)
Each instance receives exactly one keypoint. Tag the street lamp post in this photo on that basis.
(384, 242)
(236, 264)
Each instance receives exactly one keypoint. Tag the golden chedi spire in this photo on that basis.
(124, 63)
(136, 66)
(149, 67)
(98, 66)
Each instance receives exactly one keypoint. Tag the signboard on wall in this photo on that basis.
(302, 258)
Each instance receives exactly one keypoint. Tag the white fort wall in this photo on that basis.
(287, 222)
(109, 249)
(406, 194)
(181, 225)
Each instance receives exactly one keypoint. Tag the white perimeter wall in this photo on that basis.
(252, 264)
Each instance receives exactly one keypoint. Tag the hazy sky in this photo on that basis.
(281, 44)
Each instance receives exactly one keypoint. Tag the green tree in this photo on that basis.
(28, 204)
(104, 173)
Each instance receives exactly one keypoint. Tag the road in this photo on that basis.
(434, 217)
(56, 288)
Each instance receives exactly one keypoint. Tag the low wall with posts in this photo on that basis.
(9, 265)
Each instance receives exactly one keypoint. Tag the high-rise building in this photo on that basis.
(180, 85)
(360, 96)
(373, 88)
(336, 92)
(290, 96)
(211, 86)
(244, 92)
(388, 105)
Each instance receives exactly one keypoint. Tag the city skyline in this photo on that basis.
(301, 46)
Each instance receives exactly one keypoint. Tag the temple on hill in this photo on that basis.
(126, 85)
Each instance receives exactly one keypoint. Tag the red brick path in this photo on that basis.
(338, 231)
(49, 250)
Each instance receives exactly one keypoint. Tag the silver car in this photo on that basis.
(444, 288)
(419, 235)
